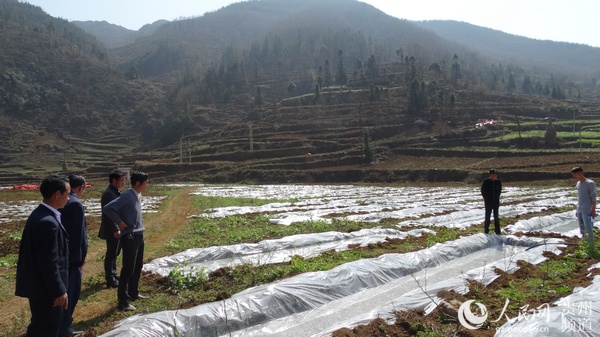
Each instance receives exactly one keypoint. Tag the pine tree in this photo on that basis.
(527, 88)
(455, 73)
(550, 138)
(372, 70)
(511, 86)
(414, 97)
(341, 77)
(291, 87)
(328, 78)
(258, 99)
(320, 76)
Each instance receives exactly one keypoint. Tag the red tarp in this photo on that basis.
(26, 187)
(36, 186)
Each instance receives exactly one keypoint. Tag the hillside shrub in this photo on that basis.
(550, 138)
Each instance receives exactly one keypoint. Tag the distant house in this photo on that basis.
(483, 122)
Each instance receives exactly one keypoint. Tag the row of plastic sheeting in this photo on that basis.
(575, 315)
(564, 223)
(11, 210)
(419, 291)
(256, 307)
(271, 251)
(444, 206)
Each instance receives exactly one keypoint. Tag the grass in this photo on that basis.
(585, 135)
(534, 285)
(205, 231)
(16, 195)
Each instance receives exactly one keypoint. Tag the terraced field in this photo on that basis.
(344, 137)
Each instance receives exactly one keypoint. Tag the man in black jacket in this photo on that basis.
(491, 188)
(43, 264)
(109, 230)
(73, 220)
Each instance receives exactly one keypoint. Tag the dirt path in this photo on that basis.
(97, 302)
(161, 227)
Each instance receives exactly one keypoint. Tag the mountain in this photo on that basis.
(503, 47)
(58, 90)
(287, 90)
(204, 39)
(113, 36)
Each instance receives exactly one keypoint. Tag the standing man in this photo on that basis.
(109, 230)
(73, 220)
(491, 188)
(586, 204)
(43, 264)
(126, 211)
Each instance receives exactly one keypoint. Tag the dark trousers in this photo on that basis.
(45, 319)
(132, 246)
(74, 290)
(491, 206)
(110, 259)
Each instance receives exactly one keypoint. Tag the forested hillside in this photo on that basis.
(557, 57)
(295, 86)
(58, 90)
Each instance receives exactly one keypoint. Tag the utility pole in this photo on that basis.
(180, 149)
(250, 136)
(519, 128)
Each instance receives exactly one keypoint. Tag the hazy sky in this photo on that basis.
(558, 20)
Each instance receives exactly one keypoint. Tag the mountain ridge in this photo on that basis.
(259, 85)
(491, 43)
(113, 36)
(523, 50)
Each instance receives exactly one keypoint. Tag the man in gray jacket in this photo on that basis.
(586, 204)
(126, 212)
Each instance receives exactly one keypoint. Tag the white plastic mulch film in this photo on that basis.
(315, 304)
(575, 315)
(11, 210)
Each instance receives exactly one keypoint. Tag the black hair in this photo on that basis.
(138, 177)
(53, 183)
(494, 171)
(115, 175)
(576, 169)
(75, 180)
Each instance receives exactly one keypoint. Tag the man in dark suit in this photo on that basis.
(109, 230)
(43, 264)
(126, 212)
(73, 220)
(491, 188)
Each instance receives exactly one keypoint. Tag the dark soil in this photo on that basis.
(8, 245)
